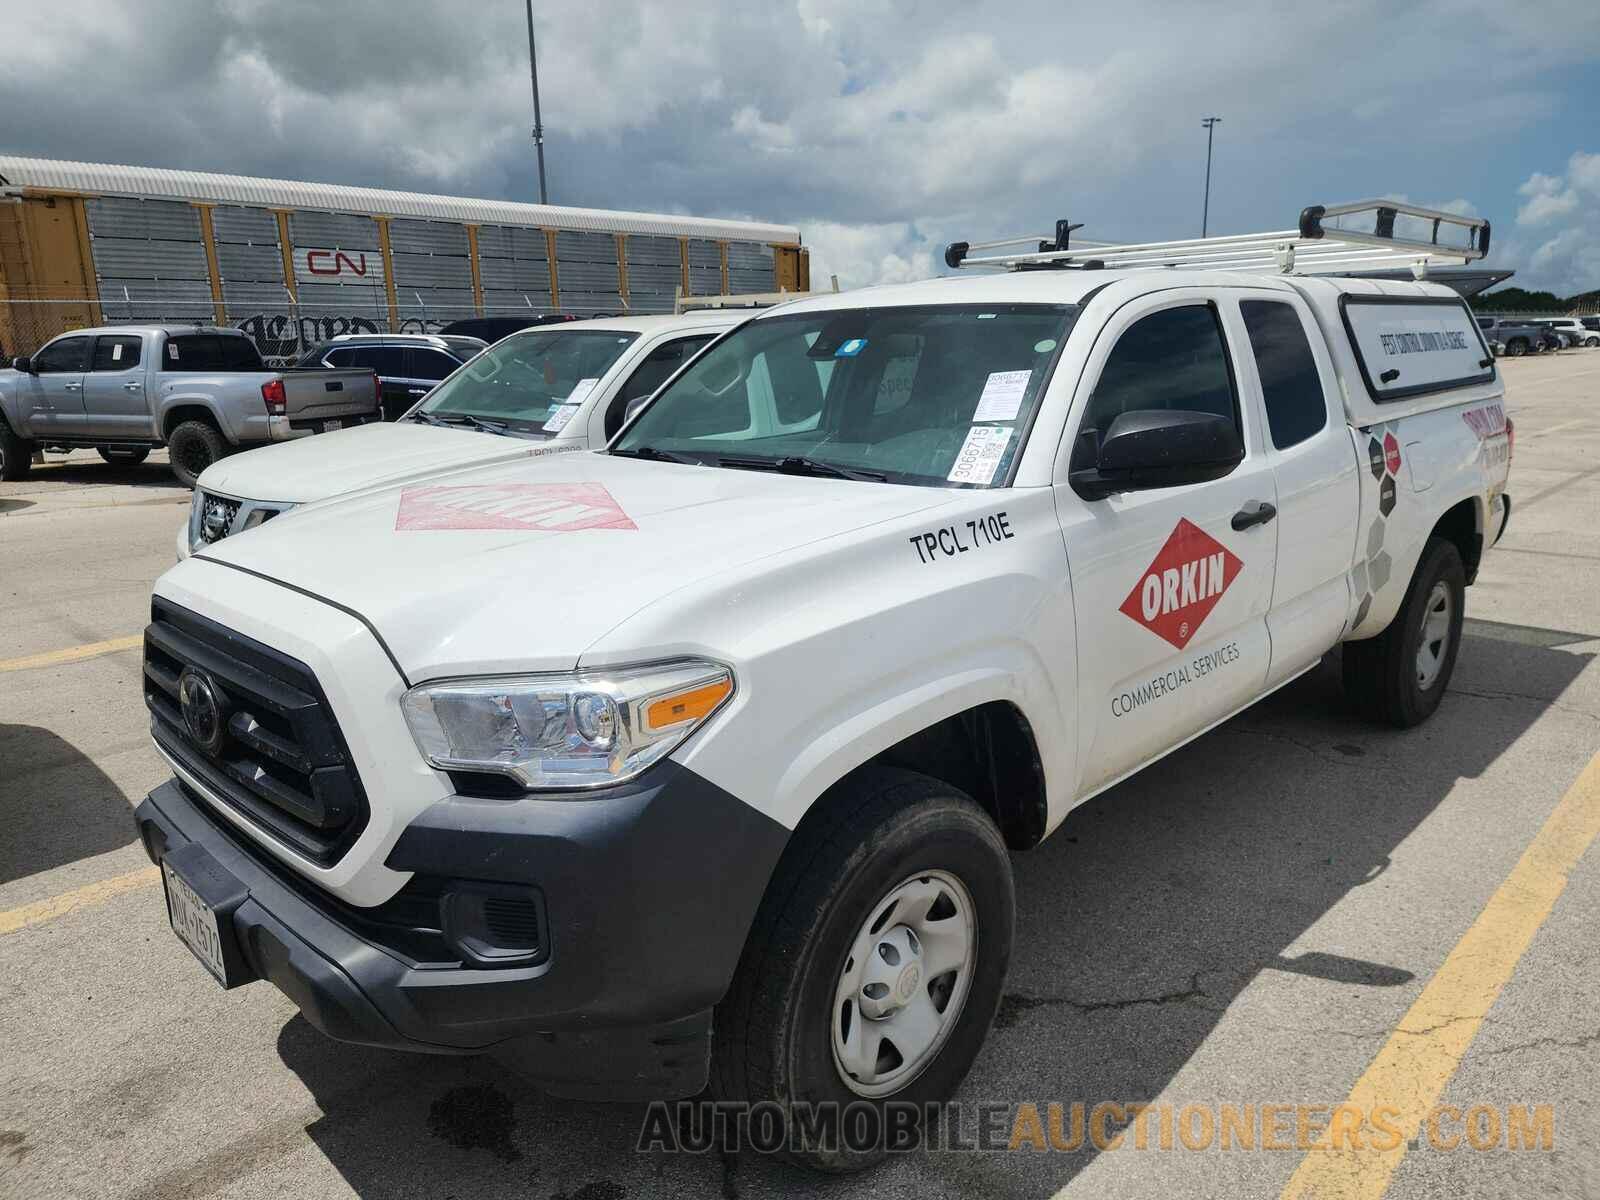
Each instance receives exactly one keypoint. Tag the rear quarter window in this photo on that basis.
(1410, 346)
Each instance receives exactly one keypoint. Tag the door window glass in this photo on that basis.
(1290, 385)
(651, 374)
(1174, 359)
(119, 353)
(430, 364)
(67, 354)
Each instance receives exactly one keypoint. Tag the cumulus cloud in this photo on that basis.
(1557, 244)
(883, 128)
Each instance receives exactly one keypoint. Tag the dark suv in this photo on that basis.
(407, 364)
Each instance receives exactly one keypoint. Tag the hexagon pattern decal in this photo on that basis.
(1371, 574)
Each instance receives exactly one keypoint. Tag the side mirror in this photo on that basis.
(1155, 448)
(634, 406)
(22, 363)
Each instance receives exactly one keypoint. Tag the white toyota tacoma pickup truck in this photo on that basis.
(701, 759)
(550, 389)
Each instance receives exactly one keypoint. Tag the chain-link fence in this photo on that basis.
(282, 330)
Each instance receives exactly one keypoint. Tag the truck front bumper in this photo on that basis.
(645, 899)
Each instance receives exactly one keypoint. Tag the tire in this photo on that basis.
(192, 447)
(884, 830)
(1389, 678)
(124, 456)
(1591, 343)
(1516, 347)
(16, 453)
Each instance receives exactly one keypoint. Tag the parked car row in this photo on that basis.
(1516, 336)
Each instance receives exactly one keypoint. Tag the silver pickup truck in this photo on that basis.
(202, 392)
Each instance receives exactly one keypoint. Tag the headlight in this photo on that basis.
(565, 731)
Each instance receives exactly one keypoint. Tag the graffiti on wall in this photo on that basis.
(284, 336)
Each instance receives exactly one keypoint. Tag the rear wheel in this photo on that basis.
(874, 967)
(192, 447)
(16, 453)
(1401, 675)
(1591, 342)
(124, 456)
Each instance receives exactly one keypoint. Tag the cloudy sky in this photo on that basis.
(883, 128)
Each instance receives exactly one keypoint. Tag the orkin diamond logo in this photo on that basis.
(553, 507)
(1180, 588)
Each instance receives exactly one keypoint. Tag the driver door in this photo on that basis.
(55, 388)
(1171, 597)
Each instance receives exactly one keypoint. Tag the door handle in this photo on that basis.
(133, 387)
(71, 387)
(1257, 512)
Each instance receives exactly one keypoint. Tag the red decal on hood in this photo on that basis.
(552, 507)
(1180, 588)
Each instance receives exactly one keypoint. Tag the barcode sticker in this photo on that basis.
(979, 460)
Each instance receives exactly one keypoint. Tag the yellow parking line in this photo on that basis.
(1411, 1071)
(90, 893)
(72, 654)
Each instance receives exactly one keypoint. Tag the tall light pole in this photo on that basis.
(1210, 124)
(538, 125)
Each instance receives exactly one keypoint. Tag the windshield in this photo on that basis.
(937, 395)
(531, 382)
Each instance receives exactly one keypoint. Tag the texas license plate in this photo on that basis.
(195, 923)
(330, 426)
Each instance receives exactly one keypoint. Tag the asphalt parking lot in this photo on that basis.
(1298, 909)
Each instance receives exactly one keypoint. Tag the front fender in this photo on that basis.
(841, 652)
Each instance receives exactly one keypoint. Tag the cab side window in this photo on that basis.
(68, 354)
(116, 353)
(1174, 359)
(1290, 385)
(651, 374)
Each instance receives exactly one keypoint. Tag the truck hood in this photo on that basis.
(351, 460)
(522, 566)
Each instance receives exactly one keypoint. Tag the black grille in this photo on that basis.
(512, 923)
(280, 760)
(217, 515)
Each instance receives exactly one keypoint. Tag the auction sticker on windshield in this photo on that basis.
(550, 507)
(980, 455)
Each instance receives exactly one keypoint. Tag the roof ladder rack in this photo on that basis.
(1345, 237)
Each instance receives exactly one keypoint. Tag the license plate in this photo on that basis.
(330, 426)
(195, 923)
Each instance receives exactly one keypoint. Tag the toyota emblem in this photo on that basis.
(202, 710)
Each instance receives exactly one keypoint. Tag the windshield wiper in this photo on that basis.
(427, 418)
(476, 422)
(799, 464)
(655, 454)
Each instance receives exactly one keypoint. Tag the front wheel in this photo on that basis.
(1401, 675)
(192, 447)
(16, 453)
(1516, 348)
(874, 966)
(124, 456)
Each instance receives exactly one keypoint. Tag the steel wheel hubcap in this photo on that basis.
(903, 983)
(1435, 635)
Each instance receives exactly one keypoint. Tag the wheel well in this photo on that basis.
(988, 752)
(1460, 525)
(186, 412)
